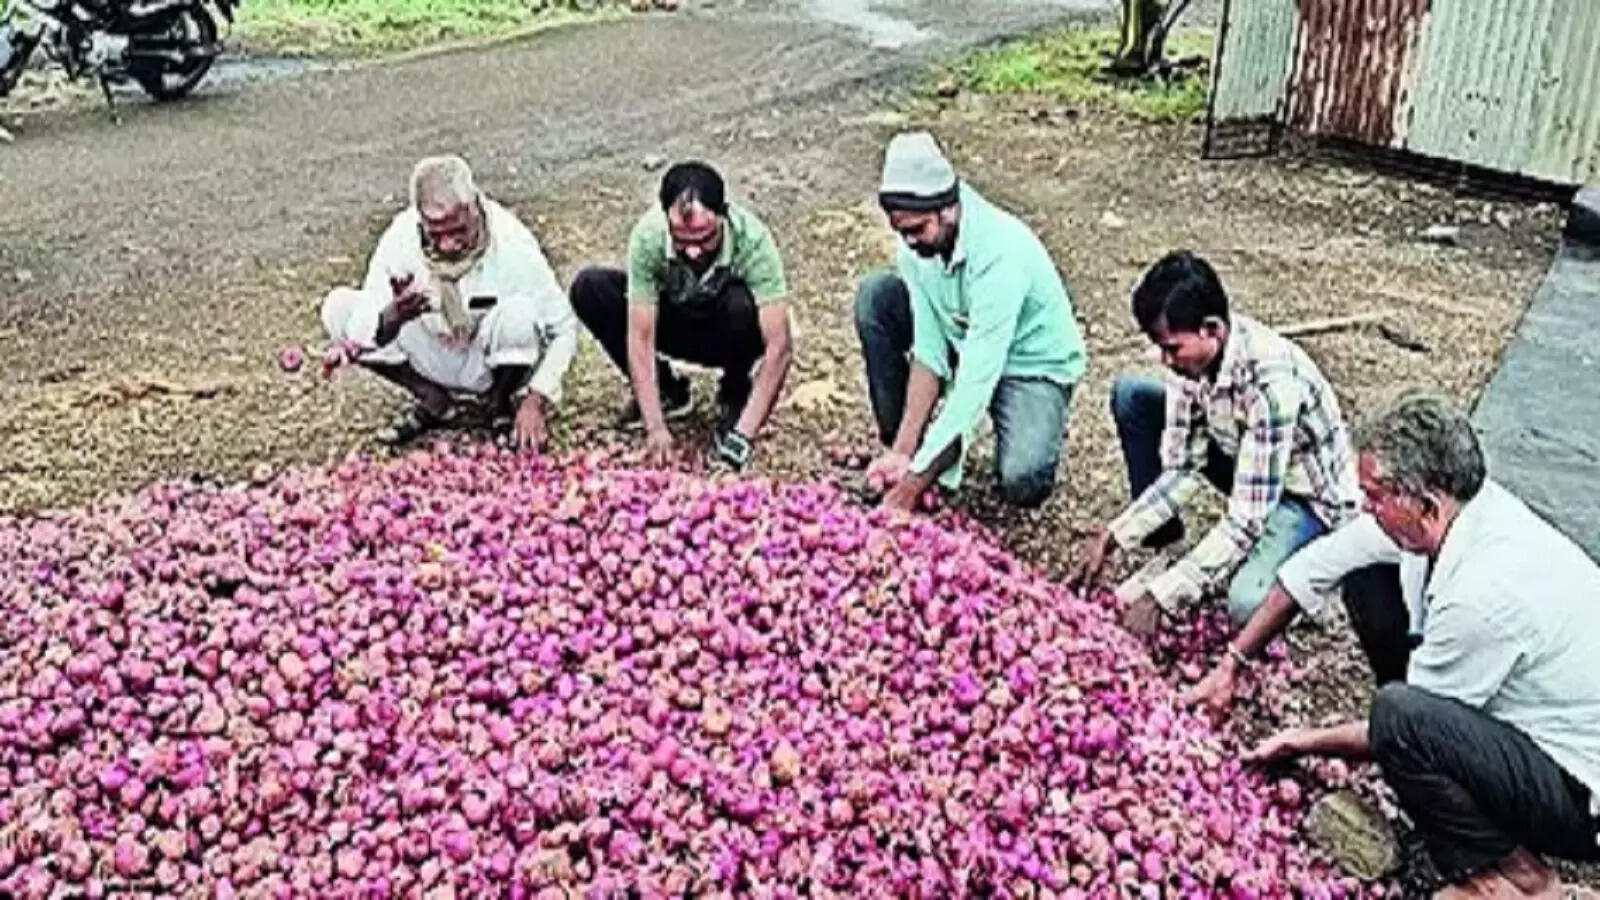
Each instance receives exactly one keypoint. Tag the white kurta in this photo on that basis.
(530, 323)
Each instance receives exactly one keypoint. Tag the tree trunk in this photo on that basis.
(1143, 37)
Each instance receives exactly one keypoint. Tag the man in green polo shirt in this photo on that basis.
(704, 285)
(975, 312)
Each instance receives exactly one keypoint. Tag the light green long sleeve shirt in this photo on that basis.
(997, 309)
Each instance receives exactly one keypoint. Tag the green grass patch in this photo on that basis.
(368, 27)
(1067, 65)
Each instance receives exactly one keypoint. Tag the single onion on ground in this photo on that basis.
(472, 674)
(290, 359)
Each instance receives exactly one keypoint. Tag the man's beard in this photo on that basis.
(467, 248)
(701, 265)
(942, 247)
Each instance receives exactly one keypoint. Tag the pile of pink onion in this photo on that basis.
(469, 674)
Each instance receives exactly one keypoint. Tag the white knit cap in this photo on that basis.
(916, 174)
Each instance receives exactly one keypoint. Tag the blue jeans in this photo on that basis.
(1030, 414)
(1139, 406)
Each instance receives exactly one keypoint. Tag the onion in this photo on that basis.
(470, 673)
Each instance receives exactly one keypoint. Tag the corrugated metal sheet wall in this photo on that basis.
(1511, 85)
(1252, 79)
(1352, 61)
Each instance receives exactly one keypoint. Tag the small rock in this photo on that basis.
(653, 161)
(1113, 221)
(1354, 834)
(1443, 235)
(24, 276)
(947, 88)
(6, 136)
(1505, 219)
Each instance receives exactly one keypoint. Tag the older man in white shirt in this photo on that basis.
(1484, 622)
(459, 301)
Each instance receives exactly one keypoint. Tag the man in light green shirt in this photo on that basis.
(975, 312)
(705, 285)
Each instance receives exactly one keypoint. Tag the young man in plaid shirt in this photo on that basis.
(1244, 409)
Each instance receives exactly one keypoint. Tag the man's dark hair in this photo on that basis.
(694, 182)
(1182, 289)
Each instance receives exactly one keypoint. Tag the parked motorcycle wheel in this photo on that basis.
(192, 25)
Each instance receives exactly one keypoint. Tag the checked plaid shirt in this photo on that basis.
(1272, 411)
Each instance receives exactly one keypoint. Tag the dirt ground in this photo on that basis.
(183, 394)
(1295, 239)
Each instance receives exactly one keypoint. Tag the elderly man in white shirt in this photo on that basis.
(1483, 626)
(458, 301)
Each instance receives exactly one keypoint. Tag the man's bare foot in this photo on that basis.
(1520, 876)
(1490, 885)
(1531, 876)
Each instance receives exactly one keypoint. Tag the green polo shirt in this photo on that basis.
(656, 276)
(1000, 308)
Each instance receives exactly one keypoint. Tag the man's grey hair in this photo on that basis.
(443, 182)
(1423, 442)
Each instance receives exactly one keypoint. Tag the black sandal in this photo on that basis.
(408, 426)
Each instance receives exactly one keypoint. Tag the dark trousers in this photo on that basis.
(1030, 414)
(1476, 787)
(724, 333)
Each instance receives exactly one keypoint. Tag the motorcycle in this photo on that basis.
(166, 47)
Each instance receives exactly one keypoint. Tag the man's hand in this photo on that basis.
(340, 353)
(529, 431)
(888, 471)
(409, 300)
(903, 496)
(1142, 615)
(1281, 746)
(1097, 552)
(1215, 691)
(658, 447)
